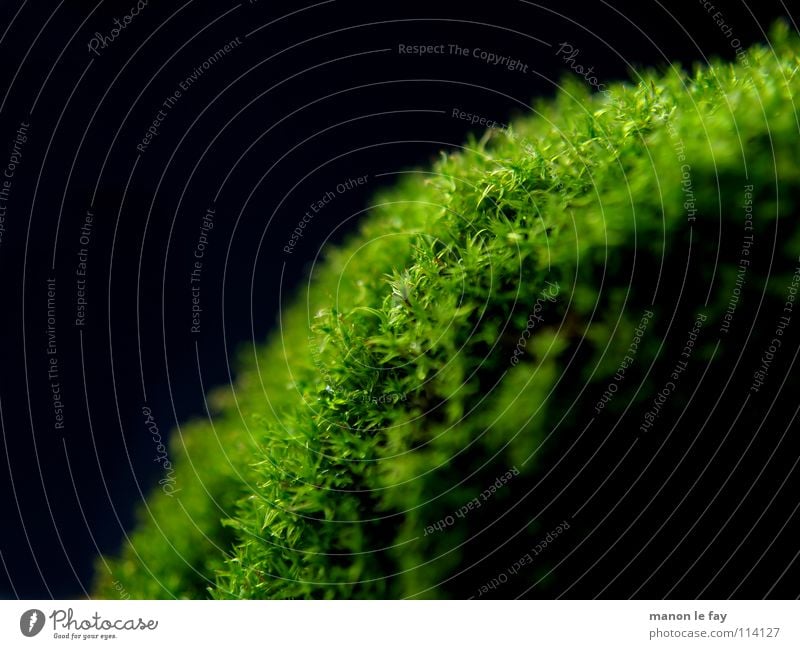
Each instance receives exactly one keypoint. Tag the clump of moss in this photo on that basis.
(474, 321)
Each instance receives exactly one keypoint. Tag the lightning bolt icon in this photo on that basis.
(32, 620)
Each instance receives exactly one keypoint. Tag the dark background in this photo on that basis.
(317, 95)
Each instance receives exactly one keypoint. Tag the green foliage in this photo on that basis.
(412, 373)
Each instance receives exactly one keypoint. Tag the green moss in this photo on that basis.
(481, 309)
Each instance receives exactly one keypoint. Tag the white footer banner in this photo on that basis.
(404, 624)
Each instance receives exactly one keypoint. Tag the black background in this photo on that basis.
(313, 96)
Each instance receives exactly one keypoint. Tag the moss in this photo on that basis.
(473, 323)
